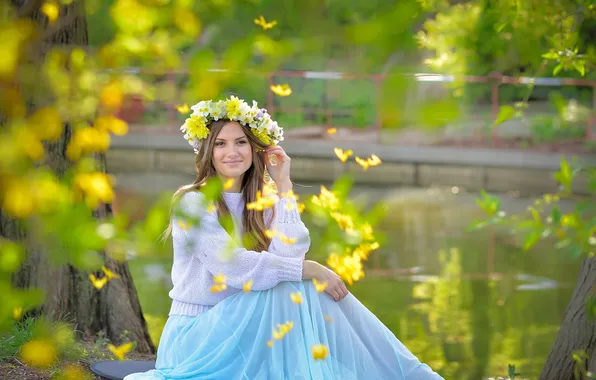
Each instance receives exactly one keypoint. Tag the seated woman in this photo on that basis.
(253, 312)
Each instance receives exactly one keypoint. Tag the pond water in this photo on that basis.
(468, 304)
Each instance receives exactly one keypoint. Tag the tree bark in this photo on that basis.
(69, 293)
(576, 332)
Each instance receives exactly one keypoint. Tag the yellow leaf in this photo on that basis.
(109, 274)
(228, 184)
(51, 10)
(264, 24)
(296, 297)
(319, 286)
(183, 108)
(98, 283)
(281, 89)
(319, 352)
(331, 131)
(39, 353)
(246, 286)
(121, 350)
(343, 156)
(301, 207)
(328, 318)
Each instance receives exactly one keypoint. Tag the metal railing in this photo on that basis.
(494, 80)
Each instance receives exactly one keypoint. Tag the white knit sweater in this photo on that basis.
(200, 253)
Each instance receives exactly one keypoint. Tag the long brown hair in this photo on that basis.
(253, 221)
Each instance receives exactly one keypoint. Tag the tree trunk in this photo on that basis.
(69, 294)
(576, 332)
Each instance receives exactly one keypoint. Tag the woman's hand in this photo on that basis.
(335, 285)
(280, 172)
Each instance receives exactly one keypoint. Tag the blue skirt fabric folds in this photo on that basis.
(230, 341)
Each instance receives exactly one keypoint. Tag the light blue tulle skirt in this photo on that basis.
(230, 341)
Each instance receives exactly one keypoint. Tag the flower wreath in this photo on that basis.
(262, 126)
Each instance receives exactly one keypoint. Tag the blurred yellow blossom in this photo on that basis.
(281, 89)
(28, 142)
(109, 274)
(111, 96)
(228, 184)
(17, 199)
(343, 155)
(75, 372)
(348, 267)
(326, 199)
(218, 288)
(287, 240)
(96, 187)
(111, 124)
(51, 10)
(17, 313)
(219, 279)
(39, 353)
(187, 22)
(344, 221)
(282, 330)
(46, 123)
(247, 286)
(121, 350)
(331, 131)
(319, 286)
(12, 35)
(296, 297)
(264, 24)
(319, 352)
(86, 140)
(183, 108)
(261, 203)
(98, 283)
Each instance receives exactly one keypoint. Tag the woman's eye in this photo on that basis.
(219, 143)
(242, 142)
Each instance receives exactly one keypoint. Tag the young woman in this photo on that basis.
(249, 310)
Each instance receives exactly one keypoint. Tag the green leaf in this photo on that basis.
(212, 189)
(579, 67)
(556, 214)
(557, 69)
(564, 175)
(505, 113)
(477, 225)
(531, 240)
(551, 55)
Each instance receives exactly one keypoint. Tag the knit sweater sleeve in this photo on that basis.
(219, 253)
(287, 223)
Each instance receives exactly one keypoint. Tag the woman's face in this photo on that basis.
(232, 154)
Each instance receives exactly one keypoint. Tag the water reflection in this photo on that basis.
(467, 304)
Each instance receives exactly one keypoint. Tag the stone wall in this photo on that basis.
(153, 164)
